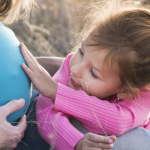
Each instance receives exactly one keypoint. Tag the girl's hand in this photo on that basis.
(40, 78)
(92, 141)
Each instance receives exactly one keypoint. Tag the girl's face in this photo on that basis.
(87, 73)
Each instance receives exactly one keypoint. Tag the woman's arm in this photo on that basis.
(10, 135)
(51, 64)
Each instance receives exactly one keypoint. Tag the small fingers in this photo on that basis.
(91, 144)
(112, 137)
(101, 145)
(31, 64)
(92, 148)
(29, 72)
(32, 58)
(98, 138)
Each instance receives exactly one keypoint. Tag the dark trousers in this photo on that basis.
(32, 139)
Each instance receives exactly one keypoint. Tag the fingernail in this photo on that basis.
(24, 117)
(110, 141)
(21, 101)
(24, 48)
(22, 45)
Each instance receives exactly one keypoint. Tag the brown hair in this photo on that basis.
(124, 30)
(5, 7)
(12, 10)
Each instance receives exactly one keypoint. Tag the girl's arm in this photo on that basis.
(56, 130)
(101, 116)
(54, 126)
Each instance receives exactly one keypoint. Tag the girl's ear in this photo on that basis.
(128, 93)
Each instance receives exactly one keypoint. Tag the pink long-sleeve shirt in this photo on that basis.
(111, 117)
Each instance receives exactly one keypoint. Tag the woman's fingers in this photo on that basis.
(22, 125)
(11, 135)
(11, 107)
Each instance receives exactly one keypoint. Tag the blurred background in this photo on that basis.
(52, 28)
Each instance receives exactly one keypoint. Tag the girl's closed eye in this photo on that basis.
(93, 74)
(80, 51)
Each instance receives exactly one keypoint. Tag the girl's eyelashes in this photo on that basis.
(80, 51)
(91, 70)
(93, 74)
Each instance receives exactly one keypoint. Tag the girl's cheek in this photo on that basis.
(72, 61)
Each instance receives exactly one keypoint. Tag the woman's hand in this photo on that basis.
(10, 135)
(92, 141)
(38, 75)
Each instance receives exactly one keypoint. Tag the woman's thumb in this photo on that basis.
(12, 106)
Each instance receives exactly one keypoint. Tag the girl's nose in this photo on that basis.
(77, 70)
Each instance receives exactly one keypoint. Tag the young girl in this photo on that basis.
(104, 83)
(10, 11)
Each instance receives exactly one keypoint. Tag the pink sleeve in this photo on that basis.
(54, 126)
(97, 115)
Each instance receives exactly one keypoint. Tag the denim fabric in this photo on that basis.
(32, 139)
(136, 139)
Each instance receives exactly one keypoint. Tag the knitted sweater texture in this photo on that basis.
(111, 117)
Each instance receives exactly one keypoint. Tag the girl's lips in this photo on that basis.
(74, 83)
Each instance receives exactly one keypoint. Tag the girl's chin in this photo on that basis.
(72, 87)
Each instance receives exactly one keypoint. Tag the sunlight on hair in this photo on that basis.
(98, 11)
(20, 9)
